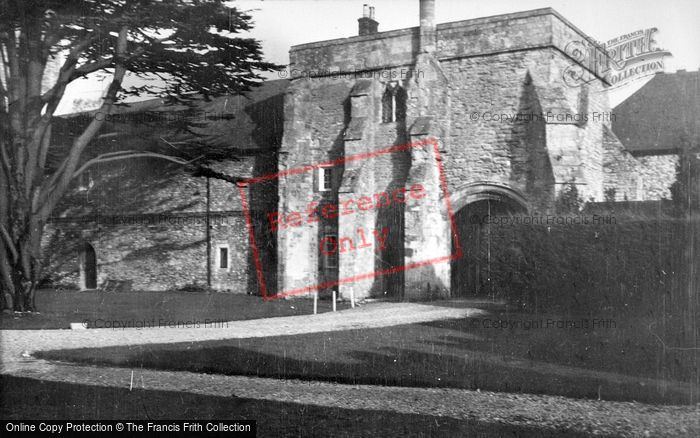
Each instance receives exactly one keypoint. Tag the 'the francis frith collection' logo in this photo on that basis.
(619, 61)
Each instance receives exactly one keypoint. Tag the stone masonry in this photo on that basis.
(151, 230)
(149, 224)
(484, 104)
(465, 83)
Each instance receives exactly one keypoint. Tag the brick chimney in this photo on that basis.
(428, 35)
(368, 25)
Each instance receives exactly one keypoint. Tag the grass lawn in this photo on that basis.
(59, 309)
(454, 353)
(51, 400)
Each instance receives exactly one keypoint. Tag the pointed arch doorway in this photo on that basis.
(478, 206)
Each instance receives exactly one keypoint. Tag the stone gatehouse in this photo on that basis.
(469, 95)
(476, 87)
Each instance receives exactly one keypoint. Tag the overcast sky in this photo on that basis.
(280, 24)
(284, 23)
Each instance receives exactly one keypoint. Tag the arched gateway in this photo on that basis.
(478, 208)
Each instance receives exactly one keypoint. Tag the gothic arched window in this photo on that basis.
(394, 103)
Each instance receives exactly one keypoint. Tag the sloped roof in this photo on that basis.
(662, 115)
(248, 122)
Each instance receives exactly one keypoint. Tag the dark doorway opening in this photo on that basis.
(89, 268)
(390, 260)
(476, 224)
(328, 257)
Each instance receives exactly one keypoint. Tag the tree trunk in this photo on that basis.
(20, 281)
(20, 255)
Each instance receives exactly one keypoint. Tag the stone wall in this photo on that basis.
(427, 230)
(147, 224)
(634, 177)
(658, 173)
(476, 37)
(622, 181)
(315, 115)
(492, 94)
(515, 122)
(495, 66)
(326, 120)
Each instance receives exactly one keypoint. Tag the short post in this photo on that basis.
(334, 300)
(352, 298)
(315, 302)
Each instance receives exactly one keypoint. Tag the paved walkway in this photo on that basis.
(620, 418)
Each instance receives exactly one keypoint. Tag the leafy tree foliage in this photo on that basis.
(569, 200)
(192, 48)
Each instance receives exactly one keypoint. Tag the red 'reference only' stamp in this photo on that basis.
(368, 238)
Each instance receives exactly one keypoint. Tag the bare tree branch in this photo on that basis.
(5, 159)
(68, 67)
(53, 97)
(211, 173)
(14, 84)
(60, 180)
(92, 67)
(8, 242)
(113, 156)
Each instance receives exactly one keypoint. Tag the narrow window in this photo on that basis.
(400, 98)
(330, 251)
(88, 268)
(223, 257)
(325, 179)
(388, 105)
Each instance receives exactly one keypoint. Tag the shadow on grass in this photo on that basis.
(53, 400)
(616, 345)
(105, 309)
(441, 354)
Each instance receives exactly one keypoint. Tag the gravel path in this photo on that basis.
(16, 342)
(596, 417)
